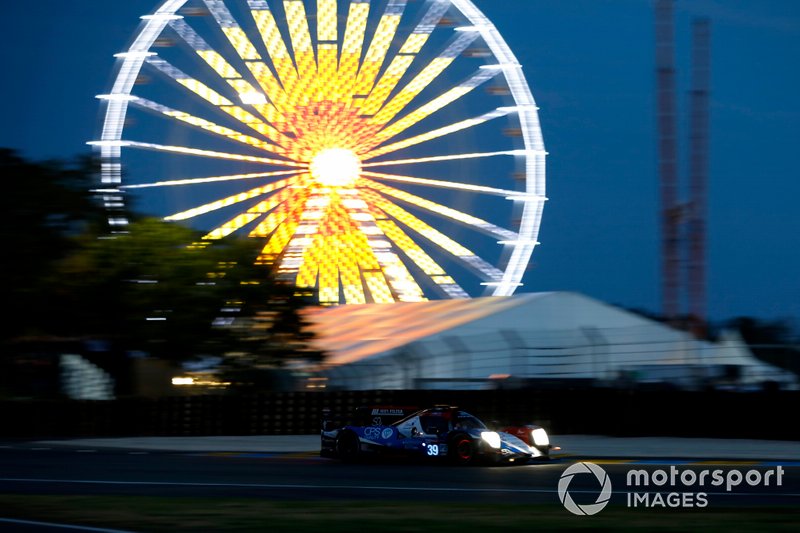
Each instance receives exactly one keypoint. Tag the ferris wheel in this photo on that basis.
(383, 151)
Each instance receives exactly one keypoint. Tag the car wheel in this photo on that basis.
(348, 447)
(462, 449)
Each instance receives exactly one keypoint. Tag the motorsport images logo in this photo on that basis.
(664, 488)
(602, 498)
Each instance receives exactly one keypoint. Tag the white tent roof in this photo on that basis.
(552, 334)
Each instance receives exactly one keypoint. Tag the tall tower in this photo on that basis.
(698, 171)
(683, 209)
(668, 158)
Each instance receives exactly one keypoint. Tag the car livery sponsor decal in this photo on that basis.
(389, 412)
(387, 433)
(372, 432)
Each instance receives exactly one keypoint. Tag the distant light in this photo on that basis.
(253, 98)
(156, 319)
(117, 97)
(183, 381)
(135, 55)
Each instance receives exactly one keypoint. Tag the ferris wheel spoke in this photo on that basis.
(255, 212)
(185, 150)
(303, 48)
(404, 58)
(432, 71)
(280, 214)
(328, 44)
(244, 90)
(210, 179)
(199, 88)
(435, 134)
(207, 126)
(333, 254)
(444, 282)
(444, 211)
(442, 184)
(232, 200)
(222, 103)
(437, 158)
(463, 254)
(247, 51)
(352, 46)
(273, 41)
(378, 248)
(378, 48)
(441, 101)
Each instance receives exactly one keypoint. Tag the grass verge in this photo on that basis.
(145, 514)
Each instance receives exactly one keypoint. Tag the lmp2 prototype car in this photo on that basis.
(443, 431)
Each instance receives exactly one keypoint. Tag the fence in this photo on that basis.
(564, 410)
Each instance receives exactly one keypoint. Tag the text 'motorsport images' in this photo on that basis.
(436, 432)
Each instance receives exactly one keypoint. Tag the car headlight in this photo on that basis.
(492, 438)
(540, 437)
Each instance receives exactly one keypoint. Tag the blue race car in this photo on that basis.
(442, 431)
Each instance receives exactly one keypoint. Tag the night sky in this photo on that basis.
(590, 65)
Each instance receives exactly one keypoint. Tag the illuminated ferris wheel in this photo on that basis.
(382, 151)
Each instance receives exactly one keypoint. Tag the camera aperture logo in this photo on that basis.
(664, 488)
(584, 509)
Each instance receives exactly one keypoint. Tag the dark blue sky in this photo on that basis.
(590, 65)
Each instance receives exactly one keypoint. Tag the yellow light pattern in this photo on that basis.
(231, 200)
(327, 20)
(241, 43)
(204, 91)
(276, 47)
(219, 64)
(345, 88)
(352, 45)
(376, 53)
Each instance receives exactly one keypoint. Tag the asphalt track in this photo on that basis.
(33, 468)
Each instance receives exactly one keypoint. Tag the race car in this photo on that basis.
(435, 432)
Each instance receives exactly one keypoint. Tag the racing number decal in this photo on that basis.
(433, 449)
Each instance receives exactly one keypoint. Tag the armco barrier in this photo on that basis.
(765, 415)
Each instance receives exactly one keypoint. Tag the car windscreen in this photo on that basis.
(467, 421)
(434, 424)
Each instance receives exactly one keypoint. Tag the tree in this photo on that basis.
(42, 208)
(152, 290)
(147, 289)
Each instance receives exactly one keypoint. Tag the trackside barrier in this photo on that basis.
(765, 415)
